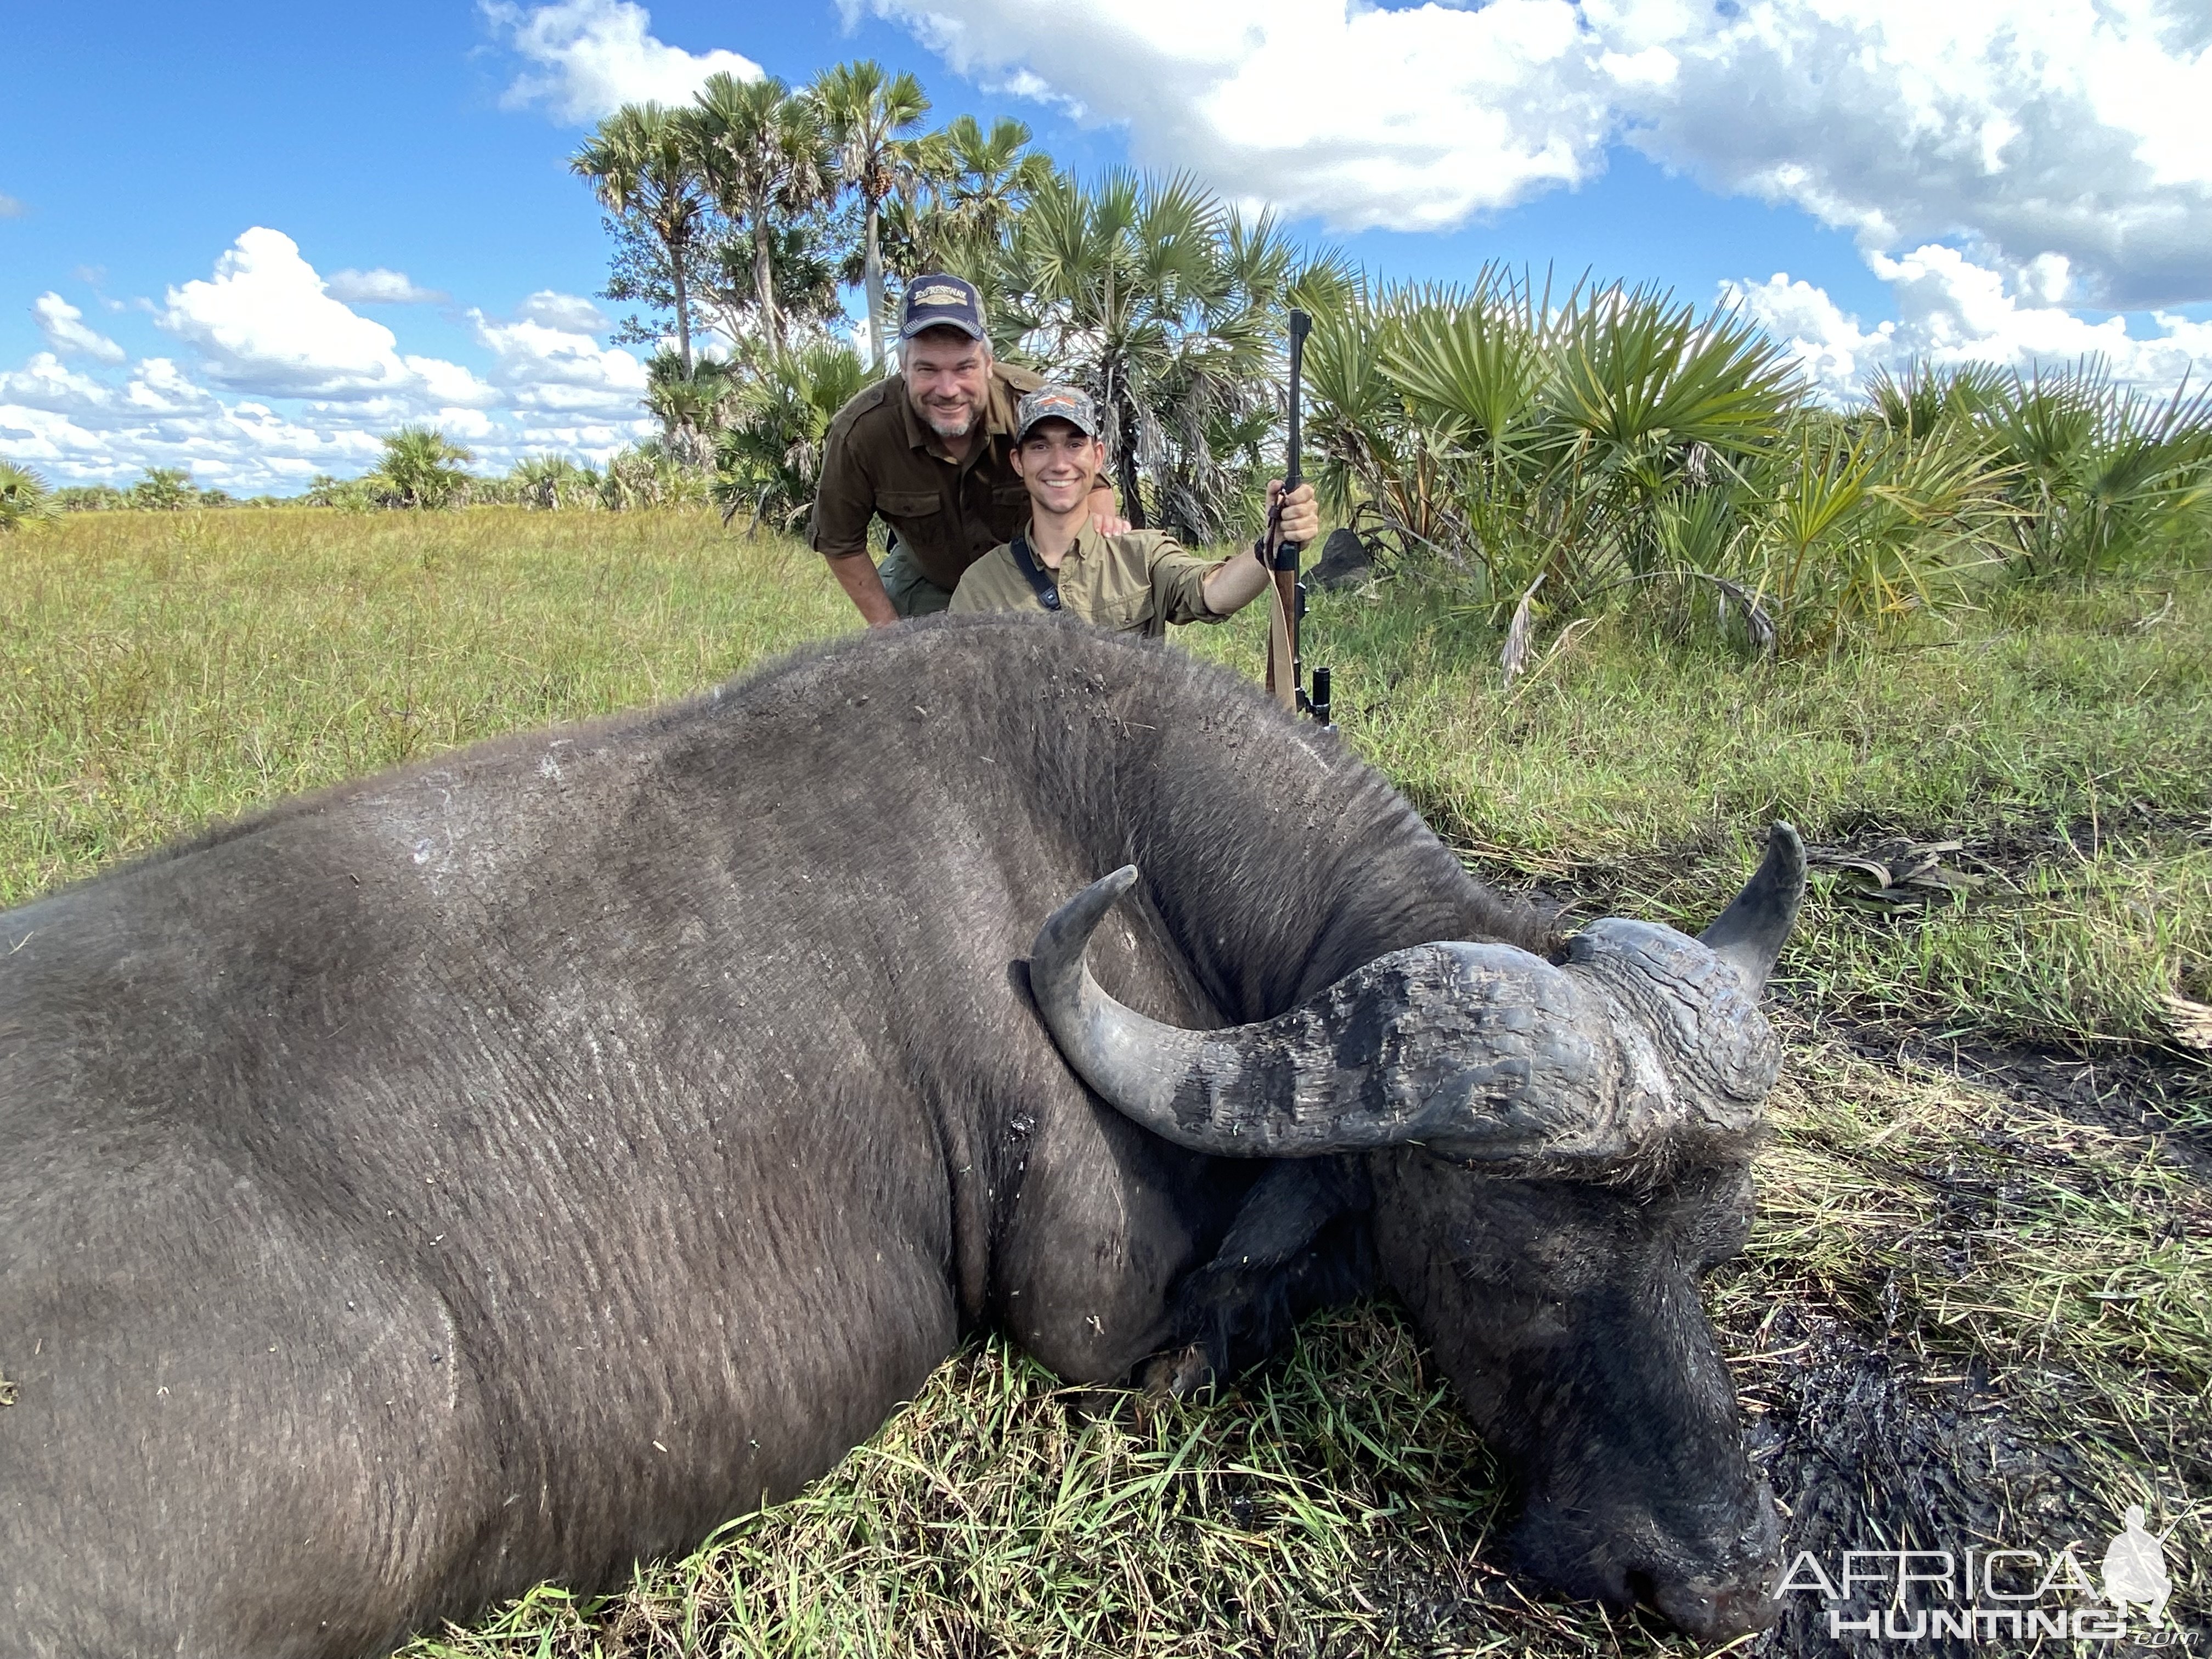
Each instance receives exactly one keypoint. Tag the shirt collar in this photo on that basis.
(1088, 542)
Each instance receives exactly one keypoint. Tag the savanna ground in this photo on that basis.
(1977, 1308)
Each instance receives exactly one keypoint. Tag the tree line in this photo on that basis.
(740, 219)
(1549, 451)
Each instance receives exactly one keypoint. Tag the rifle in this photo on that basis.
(1285, 669)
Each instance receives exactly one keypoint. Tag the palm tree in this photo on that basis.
(768, 458)
(958, 199)
(164, 490)
(993, 176)
(640, 163)
(689, 407)
(1167, 308)
(766, 161)
(422, 467)
(864, 110)
(553, 482)
(24, 498)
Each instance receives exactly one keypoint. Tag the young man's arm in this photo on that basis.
(1235, 582)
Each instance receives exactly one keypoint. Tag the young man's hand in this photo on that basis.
(1301, 519)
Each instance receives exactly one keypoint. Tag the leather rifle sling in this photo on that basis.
(1282, 621)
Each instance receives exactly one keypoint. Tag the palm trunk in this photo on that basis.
(872, 273)
(1133, 494)
(764, 277)
(683, 309)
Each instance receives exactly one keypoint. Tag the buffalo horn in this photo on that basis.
(1749, 934)
(1477, 1050)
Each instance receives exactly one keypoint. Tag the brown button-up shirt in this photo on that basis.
(1137, 582)
(882, 458)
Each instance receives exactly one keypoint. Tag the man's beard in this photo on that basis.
(944, 426)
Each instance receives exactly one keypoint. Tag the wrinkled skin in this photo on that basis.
(1567, 1315)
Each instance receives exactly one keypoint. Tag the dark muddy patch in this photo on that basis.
(2165, 1097)
(1867, 1451)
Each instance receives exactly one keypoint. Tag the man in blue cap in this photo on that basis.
(927, 450)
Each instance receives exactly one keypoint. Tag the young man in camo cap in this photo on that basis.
(925, 450)
(1130, 581)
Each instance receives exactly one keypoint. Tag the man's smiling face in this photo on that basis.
(1058, 464)
(948, 379)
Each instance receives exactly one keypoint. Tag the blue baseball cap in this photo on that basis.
(937, 301)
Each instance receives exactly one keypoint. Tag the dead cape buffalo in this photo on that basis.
(510, 1168)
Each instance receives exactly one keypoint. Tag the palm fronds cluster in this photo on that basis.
(1551, 450)
(25, 500)
(742, 212)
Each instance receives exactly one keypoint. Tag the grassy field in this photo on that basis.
(1979, 1306)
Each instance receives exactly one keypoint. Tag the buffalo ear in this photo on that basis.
(1750, 933)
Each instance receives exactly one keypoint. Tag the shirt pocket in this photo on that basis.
(908, 503)
(1124, 613)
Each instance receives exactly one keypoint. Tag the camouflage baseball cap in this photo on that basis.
(937, 300)
(1057, 403)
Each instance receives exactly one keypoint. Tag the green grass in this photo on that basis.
(160, 670)
(164, 669)
(2068, 746)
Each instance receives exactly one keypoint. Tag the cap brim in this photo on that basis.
(923, 324)
(1022, 436)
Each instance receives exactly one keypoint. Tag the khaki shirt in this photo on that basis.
(1137, 582)
(882, 458)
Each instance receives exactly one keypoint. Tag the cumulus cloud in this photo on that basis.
(592, 57)
(1410, 119)
(281, 379)
(379, 287)
(266, 323)
(542, 367)
(1952, 312)
(68, 333)
(2074, 129)
(571, 312)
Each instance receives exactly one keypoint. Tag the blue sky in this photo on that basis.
(1615, 138)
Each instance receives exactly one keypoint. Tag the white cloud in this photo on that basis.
(1951, 311)
(1412, 119)
(379, 287)
(266, 324)
(9, 207)
(67, 332)
(552, 368)
(571, 311)
(2073, 128)
(592, 57)
(321, 383)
